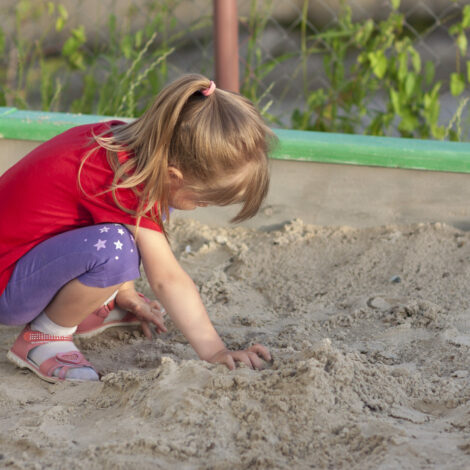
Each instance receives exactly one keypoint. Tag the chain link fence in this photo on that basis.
(318, 64)
(307, 54)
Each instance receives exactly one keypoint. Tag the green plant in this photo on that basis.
(387, 65)
(256, 66)
(23, 63)
(117, 76)
(339, 106)
(456, 120)
(124, 74)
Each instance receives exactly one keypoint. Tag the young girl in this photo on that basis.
(79, 213)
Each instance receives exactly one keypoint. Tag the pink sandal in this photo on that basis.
(30, 339)
(95, 322)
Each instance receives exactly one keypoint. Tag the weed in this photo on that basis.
(367, 63)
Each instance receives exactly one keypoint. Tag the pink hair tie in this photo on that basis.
(210, 90)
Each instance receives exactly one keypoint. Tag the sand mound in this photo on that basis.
(370, 335)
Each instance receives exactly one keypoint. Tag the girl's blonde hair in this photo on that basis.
(208, 138)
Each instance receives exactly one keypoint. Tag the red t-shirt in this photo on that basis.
(40, 196)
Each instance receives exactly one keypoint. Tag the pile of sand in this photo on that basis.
(369, 331)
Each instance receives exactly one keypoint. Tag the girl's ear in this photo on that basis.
(175, 177)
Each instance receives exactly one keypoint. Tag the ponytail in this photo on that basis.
(199, 132)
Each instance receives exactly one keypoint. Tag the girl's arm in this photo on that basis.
(180, 297)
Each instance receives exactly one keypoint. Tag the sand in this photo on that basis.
(369, 331)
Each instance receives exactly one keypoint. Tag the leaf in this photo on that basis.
(395, 99)
(79, 34)
(429, 72)
(410, 84)
(59, 24)
(378, 62)
(466, 16)
(457, 84)
(363, 33)
(415, 59)
(402, 66)
(316, 99)
(63, 11)
(435, 89)
(62, 18)
(409, 123)
(431, 108)
(395, 4)
(438, 132)
(462, 43)
(71, 48)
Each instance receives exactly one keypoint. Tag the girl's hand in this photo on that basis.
(250, 357)
(148, 312)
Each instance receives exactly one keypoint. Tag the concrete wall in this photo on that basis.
(12, 150)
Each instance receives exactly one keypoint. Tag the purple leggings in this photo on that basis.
(98, 256)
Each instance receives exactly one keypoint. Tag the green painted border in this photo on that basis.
(390, 152)
(321, 147)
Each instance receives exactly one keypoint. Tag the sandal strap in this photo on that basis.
(143, 296)
(38, 337)
(104, 310)
(64, 362)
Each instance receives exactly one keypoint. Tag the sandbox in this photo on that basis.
(358, 280)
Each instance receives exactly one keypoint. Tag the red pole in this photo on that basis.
(226, 44)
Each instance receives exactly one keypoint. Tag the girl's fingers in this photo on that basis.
(146, 329)
(251, 356)
(151, 315)
(256, 362)
(260, 350)
(148, 311)
(242, 356)
(154, 304)
(224, 357)
(228, 361)
(159, 324)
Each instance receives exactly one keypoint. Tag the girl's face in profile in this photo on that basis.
(180, 196)
(184, 199)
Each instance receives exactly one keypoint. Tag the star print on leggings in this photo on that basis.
(100, 244)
